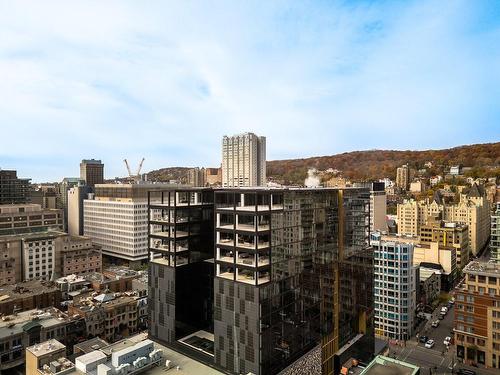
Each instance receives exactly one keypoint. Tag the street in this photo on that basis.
(439, 359)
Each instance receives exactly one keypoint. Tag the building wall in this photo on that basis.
(10, 260)
(243, 160)
(495, 235)
(477, 319)
(76, 195)
(161, 302)
(79, 256)
(395, 289)
(17, 219)
(13, 190)
(120, 228)
(378, 211)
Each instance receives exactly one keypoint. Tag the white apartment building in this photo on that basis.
(39, 252)
(117, 220)
(243, 160)
(395, 288)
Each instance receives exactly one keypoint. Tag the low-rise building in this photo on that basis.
(78, 255)
(112, 316)
(430, 285)
(477, 315)
(28, 295)
(27, 218)
(48, 358)
(33, 327)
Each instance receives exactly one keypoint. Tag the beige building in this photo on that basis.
(196, 176)
(472, 210)
(243, 160)
(404, 175)
(477, 315)
(448, 234)
(76, 195)
(213, 176)
(26, 218)
(417, 187)
(46, 255)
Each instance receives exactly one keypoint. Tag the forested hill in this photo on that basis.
(375, 164)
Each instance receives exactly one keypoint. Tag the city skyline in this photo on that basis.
(167, 81)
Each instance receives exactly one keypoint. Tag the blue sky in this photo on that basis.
(166, 80)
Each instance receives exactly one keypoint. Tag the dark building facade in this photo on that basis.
(92, 172)
(180, 267)
(285, 263)
(13, 189)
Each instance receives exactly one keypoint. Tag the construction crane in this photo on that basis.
(134, 177)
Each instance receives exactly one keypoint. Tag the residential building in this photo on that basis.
(111, 316)
(46, 255)
(243, 160)
(448, 234)
(477, 315)
(196, 177)
(213, 176)
(396, 283)
(13, 190)
(472, 210)
(77, 255)
(76, 195)
(455, 170)
(117, 220)
(27, 218)
(92, 172)
(430, 285)
(404, 175)
(286, 262)
(32, 327)
(417, 187)
(378, 205)
(495, 235)
(48, 358)
(28, 295)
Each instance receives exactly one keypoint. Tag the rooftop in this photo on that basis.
(26, 289)
(46, 347)
(90, 345)
(15, 324)
(483, 268)
(387, 366)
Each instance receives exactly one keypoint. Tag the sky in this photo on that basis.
(165, 80)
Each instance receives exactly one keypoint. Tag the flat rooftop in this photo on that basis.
(387, 366)
(26, 289)
(483, 268)
(50, 317)
(46, 347)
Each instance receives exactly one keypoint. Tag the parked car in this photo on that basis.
(447, 340)
(444, 309)
(464, 371)
(423, 339)
(441, 317)
(429, 344)
(435, 323)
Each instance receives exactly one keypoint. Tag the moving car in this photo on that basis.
(435, 323)
(429, 344)
(423, 339)
(447, 340)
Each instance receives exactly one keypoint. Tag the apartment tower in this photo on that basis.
(243, 160)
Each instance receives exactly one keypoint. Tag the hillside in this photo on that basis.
(372, 164)
(360, 165)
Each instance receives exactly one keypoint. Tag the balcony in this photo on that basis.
(251, 245)
(248, 277)
(226, 241)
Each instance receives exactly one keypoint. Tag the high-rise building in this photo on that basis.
(92, 172)
(66, 184)
(477, 315)
(117, 220)
(378, 205)
(472, 210)
(286, 264)
(396, 283)
(495, 235)
(403, 177)
(76, 196)
(196, 177)
(243, 160)
(13, 189)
